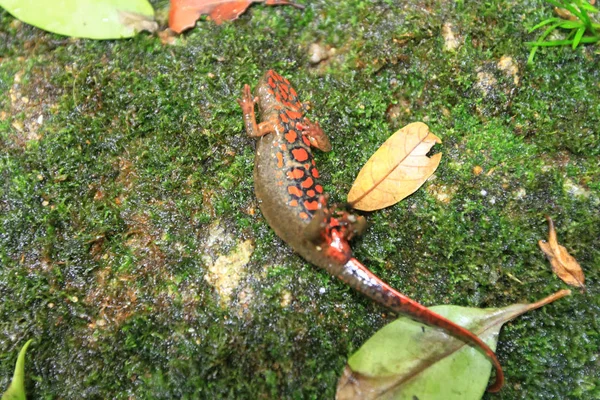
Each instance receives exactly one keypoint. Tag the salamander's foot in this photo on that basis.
(247, 101)
(315, 135)
(356, 225)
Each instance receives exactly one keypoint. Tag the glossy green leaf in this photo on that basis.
(95, 19)
(16, 389)
(408, 360)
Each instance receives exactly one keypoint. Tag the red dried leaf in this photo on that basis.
(185, 13)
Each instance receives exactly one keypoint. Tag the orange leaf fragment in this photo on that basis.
(563, 264)
(397, 169)
(184, 13)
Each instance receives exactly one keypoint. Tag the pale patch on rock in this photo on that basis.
(227, 271)
(317, 53)
(244, 298)
(485, 82)
(575, 190)
(442, 193)
(451, 43)
(507, 64)
(217, 236)
(26, 129)
(286, 299)
(520, 194)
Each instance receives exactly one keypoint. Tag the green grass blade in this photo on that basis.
(548, 31)
(532, 54)
(556, 3)
(544, 23)
(540, 40)
(587, 40)
(578, 37)
(16, 390)
(571, 25)
(588, 7)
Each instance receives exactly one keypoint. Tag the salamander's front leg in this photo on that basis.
(315, 135)
(247, 103)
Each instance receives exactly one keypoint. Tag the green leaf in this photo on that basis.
(95, 19)
(555, 3)
(578, 37)
(406, 360)
(16, 389)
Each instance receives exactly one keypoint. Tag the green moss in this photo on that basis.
(108, 206)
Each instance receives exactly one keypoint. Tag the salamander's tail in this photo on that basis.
(356, 275)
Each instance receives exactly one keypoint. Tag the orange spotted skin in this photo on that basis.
(287, 186)
(286, 180)
(286, 152)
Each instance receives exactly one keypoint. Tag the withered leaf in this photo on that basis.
(397, 169)
(137, 21)
(184, 13)
(563, 264)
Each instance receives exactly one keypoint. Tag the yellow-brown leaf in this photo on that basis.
(563, 264)
(397, 169)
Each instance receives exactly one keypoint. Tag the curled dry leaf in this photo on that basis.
(397, 169)
(563, 264)
(185, 13)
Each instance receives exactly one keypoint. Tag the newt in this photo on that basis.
(286, 183)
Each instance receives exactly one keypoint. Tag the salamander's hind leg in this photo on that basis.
(315, 135)
(331, 229)
(355, 225)
(328, 224)
(316, 228)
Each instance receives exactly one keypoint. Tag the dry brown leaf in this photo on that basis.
(137, 21)
(397, 169)
(563, 264)
(184, 13)
(565, 14)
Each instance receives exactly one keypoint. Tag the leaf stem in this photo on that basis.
(546, 300)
